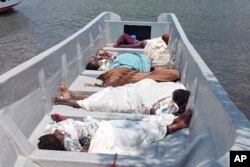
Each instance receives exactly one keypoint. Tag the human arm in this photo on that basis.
(181, 122)
(83, 150)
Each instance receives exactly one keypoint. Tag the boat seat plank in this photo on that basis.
(77, 113)
(78, 84)
(123, 50)
(92, 73)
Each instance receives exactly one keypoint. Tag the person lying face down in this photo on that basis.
(135, 61)
(140, 98)
(112, 136)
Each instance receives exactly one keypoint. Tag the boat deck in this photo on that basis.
(26, 93)
(172, 146)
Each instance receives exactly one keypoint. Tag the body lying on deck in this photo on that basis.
(217, 126)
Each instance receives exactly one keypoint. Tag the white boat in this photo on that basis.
(8, 4)
(217, 125)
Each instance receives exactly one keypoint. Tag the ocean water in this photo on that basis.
(218, 29)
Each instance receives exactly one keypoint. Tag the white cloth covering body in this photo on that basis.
(129, 137)
(131, 98)
(157, 50)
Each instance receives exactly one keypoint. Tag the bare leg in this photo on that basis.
(126, 41)
(73, 95)
(181, 122)
(68, 102)
(79, 96)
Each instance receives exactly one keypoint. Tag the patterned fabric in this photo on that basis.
(74, 131)
(105, 65)
(165, 106)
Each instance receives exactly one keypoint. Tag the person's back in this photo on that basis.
(135, 61)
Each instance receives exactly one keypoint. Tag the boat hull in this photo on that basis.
(217, 126)
(4, 6)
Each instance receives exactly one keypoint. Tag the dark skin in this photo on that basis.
(95, 63)
(181, 122)
(165, 38)
(69, 98)
(61, 137)
(105, 55)
(68, 102)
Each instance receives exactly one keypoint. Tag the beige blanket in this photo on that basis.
(121, 76)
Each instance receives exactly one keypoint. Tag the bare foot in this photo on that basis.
(64, 91)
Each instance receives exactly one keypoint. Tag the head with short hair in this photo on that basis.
(165, 38)
(50, 142)
(180, 97)
(93, 65)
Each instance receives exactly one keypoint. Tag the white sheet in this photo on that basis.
(129, 137)
(130, 98)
